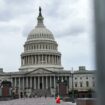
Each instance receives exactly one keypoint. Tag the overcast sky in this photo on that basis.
(71, 22)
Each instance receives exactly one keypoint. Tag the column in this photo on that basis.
(54, 83)
(60, 60)
(42, 59)
(49, 59)
(30, 82)
(46, 59)
(23, 86)
(21, 60)
(32, 60)
(50, 82)
(26, 59)
(54, 59)
(19, 87)
(42, 82)
(38, 59)
(26, 82)
(15, 82)
(46, 83)
(34, 82)
(29, 60)
(57, 60)
(12, 81)
(38, 82)
(69, 83)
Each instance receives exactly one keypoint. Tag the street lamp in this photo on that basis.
(72, 72)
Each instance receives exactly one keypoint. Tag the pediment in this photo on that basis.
(41, 71)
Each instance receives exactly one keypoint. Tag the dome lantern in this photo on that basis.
(40, 19)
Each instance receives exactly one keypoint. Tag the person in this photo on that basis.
(58, 100)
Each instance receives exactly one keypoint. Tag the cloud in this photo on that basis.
(70, 22)
(76, 51)
(13, 9)
(6, 30)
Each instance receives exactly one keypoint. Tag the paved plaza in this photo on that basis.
(34, 101)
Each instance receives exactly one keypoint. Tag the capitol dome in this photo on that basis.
(40, 49)
(40, 33)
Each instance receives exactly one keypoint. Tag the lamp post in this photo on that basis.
(72, 73)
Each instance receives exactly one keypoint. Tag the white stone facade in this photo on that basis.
(84, 81)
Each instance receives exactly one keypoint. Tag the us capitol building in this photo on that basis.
(41, 67)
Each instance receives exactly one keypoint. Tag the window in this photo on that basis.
(86, 77)
(75, 78)
(80, 84)
(75, 84)
(93, 84)
(80, 77)
(87, 84)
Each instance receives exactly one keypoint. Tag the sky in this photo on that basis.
(70, 21)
